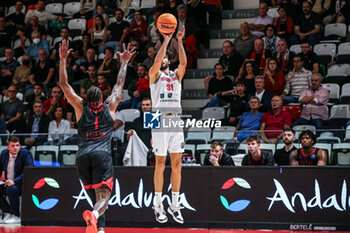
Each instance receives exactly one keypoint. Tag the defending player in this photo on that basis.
(95, 125)
(165, 88)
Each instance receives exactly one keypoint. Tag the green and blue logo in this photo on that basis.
(48, 203)
(238, 205)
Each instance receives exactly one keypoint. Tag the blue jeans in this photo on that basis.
(312, 39)
(318, 123)
(290, 99)
(13, 193)
(216, 102)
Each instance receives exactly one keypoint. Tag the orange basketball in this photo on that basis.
(166, 23)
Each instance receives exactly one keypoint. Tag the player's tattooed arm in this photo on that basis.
(293, 158)
(115, 97)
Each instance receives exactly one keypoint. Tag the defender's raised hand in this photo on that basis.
(64, 49)
(181, 33)
(127, 53)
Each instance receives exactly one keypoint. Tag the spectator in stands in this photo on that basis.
(293, 7)
(307, 26)
(231, 59)
(42, 71)
(104, 85)
(3, 138)
(65, 36)
(12, 111)
(244, 43)
(21, 77)
(35, 47)
(90, 60)
(55, 26)
(262, 94)
(171, 6)
(218, 83)
(249, 120)
(12, 163)
(37, 126)
(284, 24)
(309, 57)
(282, 155)
(274, 121)
(81, 46)
(259, 55)
(151, 54)
(238, 104)
(16, 19)
(259, 23)
(59, 128)
(138, 57)
(190, 39)
(31, 27)
(152, 30)
(197, 11)
(250, 70)
(314, 99)
(88, 82)
(72, 69)
(118, 31)
(56, 100)
(271, 40)
(284, 56)
(43, 16)
(217, 156)
(308, 154)
(109, 6)
(336, 13)
(321, 7)
(98, 33)
(37, 95)
(255, 156)
(8, 68)
(138, 29)
(274, 77)
(109, 66)
(296, 81)
(6, 34)
(100, 10)
(172, 52)
(119, 125)
(137, 90)
(137, 124)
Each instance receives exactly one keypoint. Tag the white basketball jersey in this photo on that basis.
(166, 93)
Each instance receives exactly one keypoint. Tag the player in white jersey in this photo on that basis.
(165, 88)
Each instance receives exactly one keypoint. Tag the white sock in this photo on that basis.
(101, 231)
(158, 198)
(175, 199)
(95, 212)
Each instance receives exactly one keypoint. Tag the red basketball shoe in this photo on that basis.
(91, 221)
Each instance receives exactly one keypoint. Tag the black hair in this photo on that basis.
(289, 130)
(110, 49)
(271, 26)
(93, 96)
(103, 21)
(309, 133)
(118, 9)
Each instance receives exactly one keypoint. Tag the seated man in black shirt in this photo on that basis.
(282, 155)
(255, 156)
(217, 156)
(309, 57)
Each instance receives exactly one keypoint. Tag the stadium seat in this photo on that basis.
(101, 56)
(268, 147)
(334, 91)
(345, 93)
(190, 149)
(19, 95)
(19, 59)
(46, 156)
(273, 12)
(237, 159)
(295, 48)
(112, 19)
(341, 154)
(343, 55)
(242, 148)
(328, 137)
(59, 39)
(299, 128)
(49, 40)
(125, 95)
(66, 155)
(338, 73)
(147, 4)
(201, 151)
(217, 113)
(76, 38)
(194, 133)
(2, 59)
(340, 114)
(70, 8)
(328, 148)
(294, 110)
(223, 133)
(17, 43)
(347, 134)
(2, 148)
(334, 32)
(325, 52)
(77, 24)
(12, 9)
(281, 145)
(54, 8)
(130, 114)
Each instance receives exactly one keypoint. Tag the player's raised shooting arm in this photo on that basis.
(180, 72)
(75, 100)
(115, 97)
(153, 72)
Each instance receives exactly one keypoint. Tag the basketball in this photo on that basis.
(166, 23)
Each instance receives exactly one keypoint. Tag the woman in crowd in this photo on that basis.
(271, 40)
(283, 23)
(250, 70)
(98, 32)
(274, 77)
(59, 128)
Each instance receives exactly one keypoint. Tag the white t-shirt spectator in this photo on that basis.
(119, 133)
(261, 20)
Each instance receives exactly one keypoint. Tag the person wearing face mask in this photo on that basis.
(21, 77)
(37, 44)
